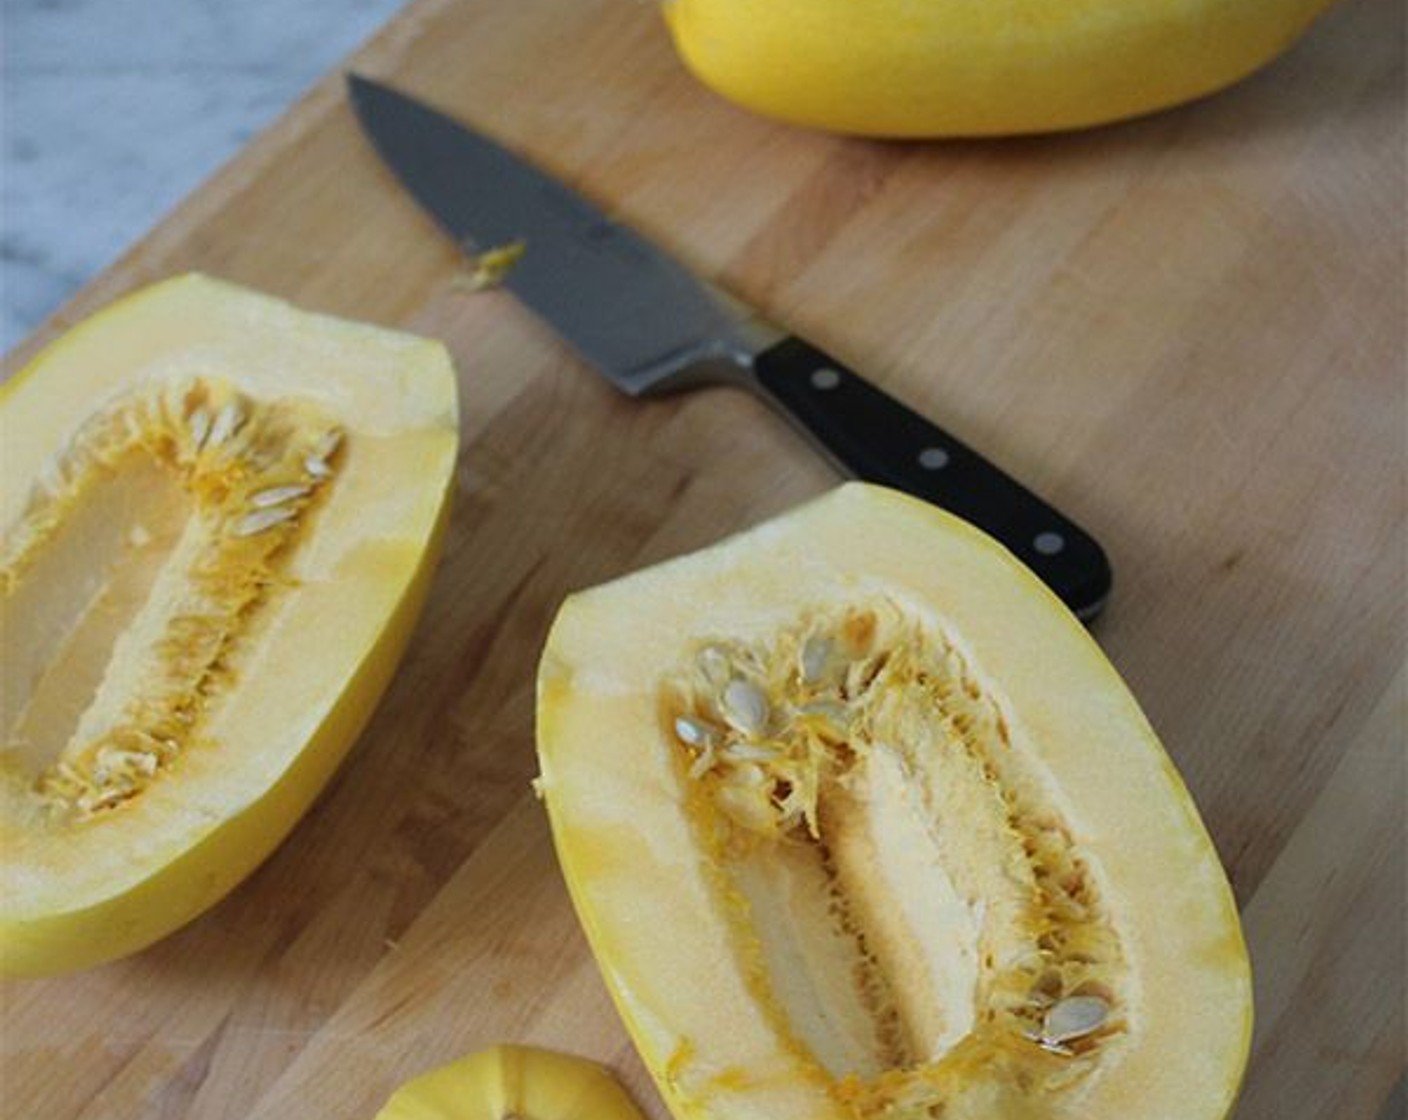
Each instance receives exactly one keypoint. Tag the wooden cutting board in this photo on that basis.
(1187, 331)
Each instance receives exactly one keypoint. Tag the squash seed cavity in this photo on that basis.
(920, 918)
(170, 514)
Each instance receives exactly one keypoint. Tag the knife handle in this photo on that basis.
(874, 437)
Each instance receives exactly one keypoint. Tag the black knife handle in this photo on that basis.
(876, 438)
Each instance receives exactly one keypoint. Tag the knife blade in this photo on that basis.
(651, 326)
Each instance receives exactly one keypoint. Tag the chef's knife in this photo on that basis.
(650, 326)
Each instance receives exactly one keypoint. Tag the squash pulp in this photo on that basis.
(860, 823)
(220, 518)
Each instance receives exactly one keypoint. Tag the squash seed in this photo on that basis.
(278, 495)
(714, 664)
(817, 653)
(200, 427)
(693, 732)
(327, 443)
(1072, 1018)
(261, 519)
(745, 707)
(316, 461)
(227, 423)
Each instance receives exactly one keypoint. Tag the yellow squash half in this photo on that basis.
(510, 1082)
(976, 67)
(860, 823)
(220, 515)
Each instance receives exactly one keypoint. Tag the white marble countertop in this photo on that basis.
(111, 111)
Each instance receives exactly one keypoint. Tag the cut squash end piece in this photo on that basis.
(510, 1082)
(220, 517)
(912, 851)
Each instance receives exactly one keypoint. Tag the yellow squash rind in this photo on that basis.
(917, 68)
(510, 1082)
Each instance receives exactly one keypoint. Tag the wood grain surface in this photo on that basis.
(1187, 331)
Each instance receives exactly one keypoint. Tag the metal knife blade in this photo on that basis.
(622, 304)
(650, 325)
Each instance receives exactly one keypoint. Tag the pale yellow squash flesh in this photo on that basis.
(510, 1082)
(860, 823)
(915, 68)
(220, 518)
